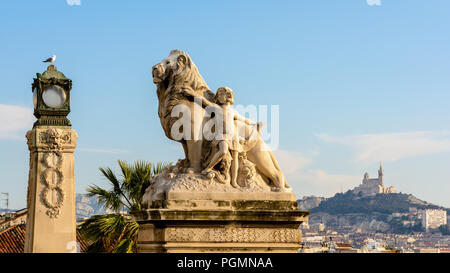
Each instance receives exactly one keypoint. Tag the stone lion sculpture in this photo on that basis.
(173, 76)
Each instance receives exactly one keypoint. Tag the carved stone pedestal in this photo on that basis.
(269, 223)
(51, 190)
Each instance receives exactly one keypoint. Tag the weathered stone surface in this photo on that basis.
(51, 190)
(293, 216)
(166, 230)
(234, 153)
(228, 194)
(195, 191)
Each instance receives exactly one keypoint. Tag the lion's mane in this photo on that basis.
(189, 75)
(168, 90)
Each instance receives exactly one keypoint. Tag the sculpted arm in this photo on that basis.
(243, 119)
(205, 101)
(247, 121)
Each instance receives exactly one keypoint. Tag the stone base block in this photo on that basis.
(190, 230)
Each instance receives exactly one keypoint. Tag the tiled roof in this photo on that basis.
(343, 245)
(12, 240)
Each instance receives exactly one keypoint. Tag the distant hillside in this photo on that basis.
(86, 206)
(309, 202)
(2, 211)
(346, 203)
(386, 213)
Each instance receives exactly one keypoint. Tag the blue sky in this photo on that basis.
(356, 84)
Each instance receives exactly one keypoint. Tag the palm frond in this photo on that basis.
(117, 185)
(132, 229)
(109, 174)
(97, 226)
(127, 171)
(159, 168)
(125, 246)
(96, 247)
(110, 226)
(113, 232)
(110, 233)
(109, 199)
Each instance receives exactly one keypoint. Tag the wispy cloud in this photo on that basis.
(15, 121)
(104, 151)
(320, 182)
(295, 167)
(73, 2)
(373, 2)
(370, 148)
(291, 162)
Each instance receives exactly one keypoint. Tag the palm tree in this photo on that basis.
(117, 232)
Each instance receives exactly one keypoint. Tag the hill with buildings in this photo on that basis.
(388, 203)
(372, 207)
(389, 212)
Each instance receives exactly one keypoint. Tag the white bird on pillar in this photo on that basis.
(51, 59)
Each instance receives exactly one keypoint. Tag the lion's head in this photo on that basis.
(178, 69)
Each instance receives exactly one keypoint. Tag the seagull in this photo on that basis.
(51, 59)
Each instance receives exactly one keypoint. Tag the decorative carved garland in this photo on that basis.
(52, 176)
(233, 235)
(48, 176)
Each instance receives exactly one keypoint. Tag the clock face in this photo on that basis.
(54, 96)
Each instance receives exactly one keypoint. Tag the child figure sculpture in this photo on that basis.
(228, 142)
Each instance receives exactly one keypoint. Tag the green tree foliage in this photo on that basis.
(444, 230)
(397, 227)
(116, 232)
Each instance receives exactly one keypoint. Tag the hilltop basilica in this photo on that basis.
(373, 186)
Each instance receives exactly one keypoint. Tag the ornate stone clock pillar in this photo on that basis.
(51, 222)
